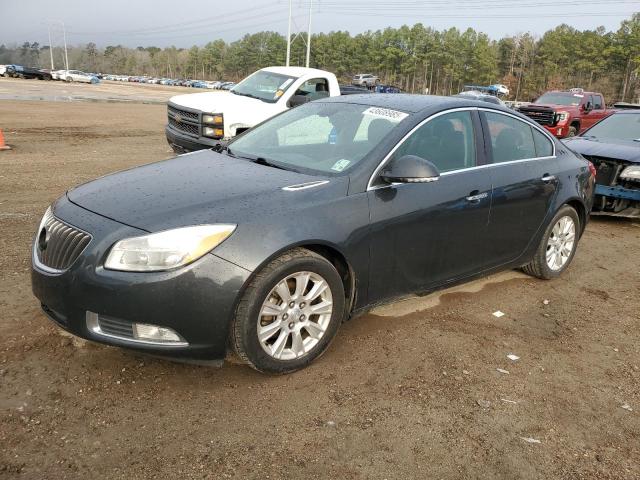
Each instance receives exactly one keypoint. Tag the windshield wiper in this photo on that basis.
(250, 95)
(267, 163)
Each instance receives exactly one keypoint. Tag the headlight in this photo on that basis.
(166, 250)
(562, 116)
(213, 132)
(631, 173)
(214, 119)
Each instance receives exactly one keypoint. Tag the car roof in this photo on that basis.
(412, 103)
(295, 71)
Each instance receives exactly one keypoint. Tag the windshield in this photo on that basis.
(326, 138)
(264, 85)
(560, 98)
(622, 126)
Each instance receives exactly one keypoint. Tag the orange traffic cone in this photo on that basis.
(3, 146)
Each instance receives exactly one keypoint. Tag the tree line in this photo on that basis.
(415, 58)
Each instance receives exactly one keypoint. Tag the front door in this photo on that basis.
(426, 234)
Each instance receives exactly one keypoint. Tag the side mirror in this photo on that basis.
(588, 107)
(410, 169)
(297, 100)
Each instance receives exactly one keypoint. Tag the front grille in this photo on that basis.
(184, 121)
(187, 128)
(116, 327)
(58, 245)
(173, 111)
(543, 117)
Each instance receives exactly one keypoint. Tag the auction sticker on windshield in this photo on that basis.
(386, 113)
(340, 165)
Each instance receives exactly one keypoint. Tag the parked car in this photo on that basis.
(202, 120)
(481, 96)
(78, 76)
(388, 89)
(268, 244)
(365, 80)
(353, 90)
(566, 114)
(500, 89)
(3, 70)
(613, 145)
(19, 71)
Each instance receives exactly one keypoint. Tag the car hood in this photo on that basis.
(603, 147)
(239, 111)
(199, 188)
(552, 106)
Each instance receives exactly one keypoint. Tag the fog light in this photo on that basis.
(144, 331)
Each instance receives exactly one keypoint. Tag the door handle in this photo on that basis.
(548, 178)
(476, 197)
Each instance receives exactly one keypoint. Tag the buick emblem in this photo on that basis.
(177, 118)
(43, 239)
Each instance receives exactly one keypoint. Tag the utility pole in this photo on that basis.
(66, 57)
(50, 46)
(289, 35)
(309, 34)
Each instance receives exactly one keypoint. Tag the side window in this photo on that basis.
(447, 141)
(597, 102)
(511, 139)
(544, 147)
(314, 89)
(306, 131)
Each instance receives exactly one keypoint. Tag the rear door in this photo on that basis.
(524, 176)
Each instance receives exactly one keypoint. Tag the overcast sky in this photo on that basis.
(185, 23)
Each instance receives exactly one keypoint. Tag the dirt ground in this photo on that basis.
(409, 391)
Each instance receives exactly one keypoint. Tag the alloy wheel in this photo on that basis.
(561, 243)
(295, 315)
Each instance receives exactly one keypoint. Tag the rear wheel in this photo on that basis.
(289, 313)
(557, 247)
(69, 79)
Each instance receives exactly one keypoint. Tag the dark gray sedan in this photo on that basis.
(267, 245)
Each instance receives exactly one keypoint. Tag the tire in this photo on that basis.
(69, 79)
(276, 353)
(540, 265)
(573, 131)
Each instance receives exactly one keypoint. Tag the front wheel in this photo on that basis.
(69, 79)
(557, 247)
(289, 313)
(573, 131)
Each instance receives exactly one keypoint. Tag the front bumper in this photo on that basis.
(559, 131)
(631, 196)
(182, 143)
(197, 301)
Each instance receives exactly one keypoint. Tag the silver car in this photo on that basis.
(365, 80)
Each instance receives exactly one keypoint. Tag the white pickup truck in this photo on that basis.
(201, 120)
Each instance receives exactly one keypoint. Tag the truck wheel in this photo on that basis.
(573, 131)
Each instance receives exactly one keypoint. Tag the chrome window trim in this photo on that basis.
(404, 139)
(532, 124)
(384, 161)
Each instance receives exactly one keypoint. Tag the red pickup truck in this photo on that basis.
(567, 113)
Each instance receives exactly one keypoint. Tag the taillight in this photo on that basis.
(592, 169)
